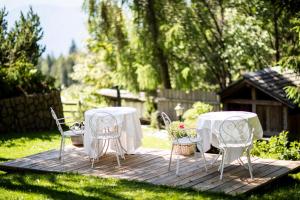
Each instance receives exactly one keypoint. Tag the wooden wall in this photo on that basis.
(167, 100)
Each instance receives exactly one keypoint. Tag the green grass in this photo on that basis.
(17, 145)
(150, 140)
(73, 186)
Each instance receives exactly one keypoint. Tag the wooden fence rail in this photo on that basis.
(167, 99)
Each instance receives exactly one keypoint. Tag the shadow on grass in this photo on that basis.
(44, 135)
(73, 186)
(4, 159)
(286, 187)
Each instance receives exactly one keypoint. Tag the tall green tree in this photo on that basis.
(19, 54)
(187, 44)
(4, 46)
(24, 38)
(275, 17)
(292, 62)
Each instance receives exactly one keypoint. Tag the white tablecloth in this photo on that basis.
(131, 132)
(208, 125)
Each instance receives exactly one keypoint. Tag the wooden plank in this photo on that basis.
(278, 169)
(189, 172)
(195, 179)
(237, 175)
(151, 165)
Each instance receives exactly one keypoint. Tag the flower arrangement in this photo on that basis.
(178, 130)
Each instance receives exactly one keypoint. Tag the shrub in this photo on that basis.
(22, 78)
(278, 147)
(154, 122)
(190, 116)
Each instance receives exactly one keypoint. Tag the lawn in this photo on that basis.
(74, 186)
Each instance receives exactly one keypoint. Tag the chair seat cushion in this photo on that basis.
(73, 132)
(233, 145)
(187, 140)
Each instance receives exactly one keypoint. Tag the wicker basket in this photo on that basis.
(185, 150)
(77, 140)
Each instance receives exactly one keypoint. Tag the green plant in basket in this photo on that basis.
(178, 129)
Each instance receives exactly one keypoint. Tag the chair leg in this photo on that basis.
(222, 164)
(61, 147)
(124, 150)
(177, 165)
(117, 155)
(171, 157)
(203, 156)
(95, 148)
(215, 160)
(121, 152)
(249, 163)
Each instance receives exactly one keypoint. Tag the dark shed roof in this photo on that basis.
(271, 81)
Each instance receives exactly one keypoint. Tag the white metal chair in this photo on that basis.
(234, 133)
(104, 128)
(182, 140)
(74, 130)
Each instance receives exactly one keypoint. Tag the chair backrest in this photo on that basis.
(166, 119)
(235, 130)
(58, 121)
(103, 124)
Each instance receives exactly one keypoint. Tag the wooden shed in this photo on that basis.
(263, 92)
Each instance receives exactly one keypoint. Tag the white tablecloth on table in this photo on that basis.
(129, 123)
(208, 125)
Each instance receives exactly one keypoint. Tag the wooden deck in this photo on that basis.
(151, 165)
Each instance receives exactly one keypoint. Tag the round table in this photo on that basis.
(208, 125)
(129, 123)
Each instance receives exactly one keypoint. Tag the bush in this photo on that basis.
(22, 78)
(278, 147)
(190, 116)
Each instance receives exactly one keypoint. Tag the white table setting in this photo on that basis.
(208, 125)
(129, 125)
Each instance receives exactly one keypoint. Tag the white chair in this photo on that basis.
(235, 134)
(105, 129)
(74, 130)
(182, 140)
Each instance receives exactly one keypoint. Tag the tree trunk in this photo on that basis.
(158, 51)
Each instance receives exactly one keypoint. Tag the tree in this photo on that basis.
(24, 39)
(275, 17)
(224, 41)
(292, 62)
(4, 48)
(188, 44)
(19, 54)
(73, 47)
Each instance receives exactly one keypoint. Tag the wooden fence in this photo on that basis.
(167, 99)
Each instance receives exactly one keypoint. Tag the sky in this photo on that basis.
(61, 20)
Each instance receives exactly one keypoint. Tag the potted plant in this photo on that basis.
(77, 139)
(177, 131)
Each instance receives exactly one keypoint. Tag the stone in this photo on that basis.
(20, 107)
(20, 115)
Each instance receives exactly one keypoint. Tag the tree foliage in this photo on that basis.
(292, 62)
(188, 44)
(19, 54)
